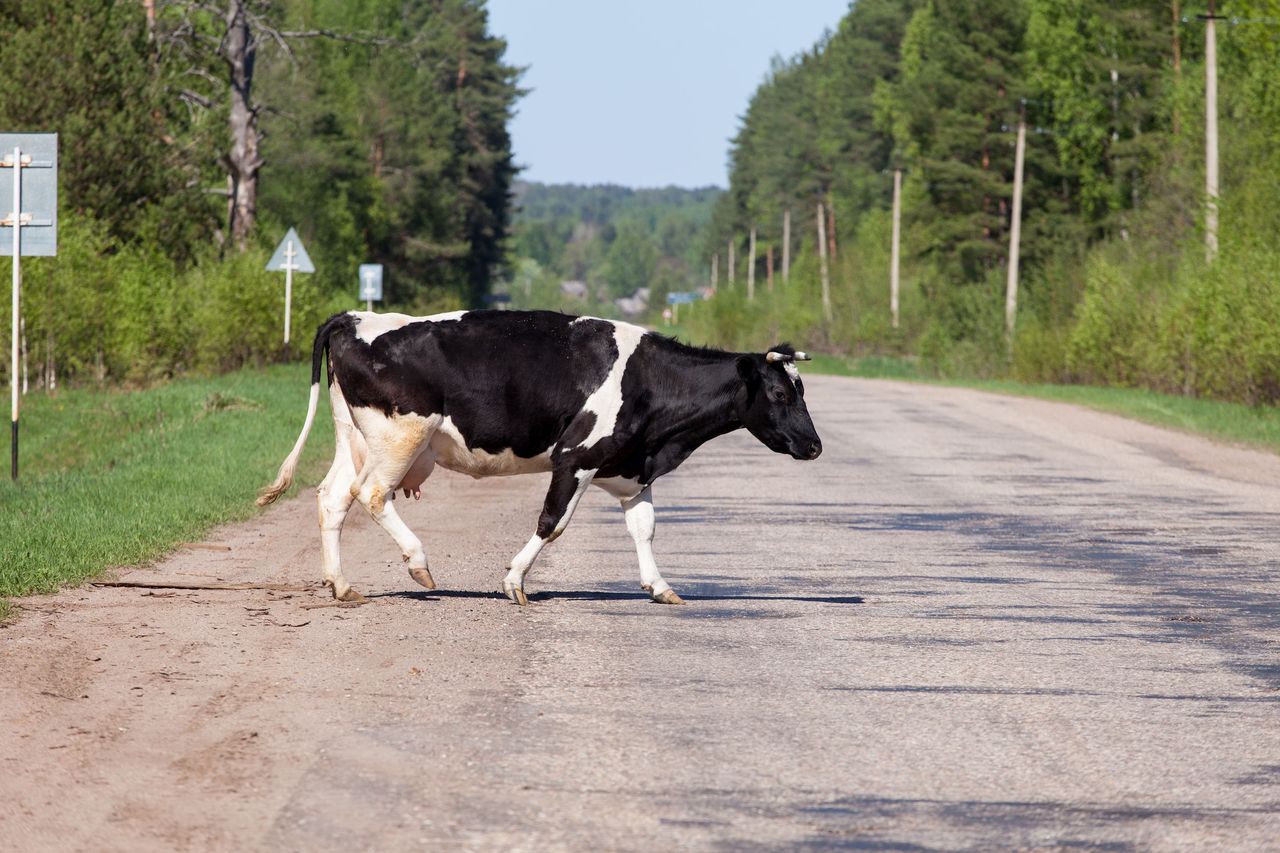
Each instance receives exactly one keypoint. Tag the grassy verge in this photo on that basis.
(118, 478)
(1254, 426)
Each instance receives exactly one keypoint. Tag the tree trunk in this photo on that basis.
(240, 50)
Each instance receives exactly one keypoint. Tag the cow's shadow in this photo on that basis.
(607, 595)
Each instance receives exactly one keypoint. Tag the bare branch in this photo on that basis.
(353, 38)
(196, 98)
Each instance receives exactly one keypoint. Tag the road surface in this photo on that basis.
(975, 622)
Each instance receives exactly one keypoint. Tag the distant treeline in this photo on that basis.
(192, 134)
(1116, 285)
(584, 248)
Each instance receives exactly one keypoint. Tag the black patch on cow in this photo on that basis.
(507, 379)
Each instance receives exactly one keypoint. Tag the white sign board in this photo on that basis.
(300, 262)
(39, 190)
(371, 282)
(290, 256)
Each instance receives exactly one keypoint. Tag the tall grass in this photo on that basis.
(116, 478)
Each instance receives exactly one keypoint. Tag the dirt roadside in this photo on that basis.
(176, 719)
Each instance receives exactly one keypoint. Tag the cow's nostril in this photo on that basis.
(815, 450)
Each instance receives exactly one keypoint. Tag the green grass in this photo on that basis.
(118, 478)
(1253, 426)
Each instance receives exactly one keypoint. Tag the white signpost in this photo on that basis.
(290, 256)
(35, 231)
(370, 284)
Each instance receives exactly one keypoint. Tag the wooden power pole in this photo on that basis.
(731, 265)
(786, 245)
(751, 267)
(895, 251)
(715, 271)
(1015, 227)
(1210, 134)
(826, 269)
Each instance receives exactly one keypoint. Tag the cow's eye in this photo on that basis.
(778, 396)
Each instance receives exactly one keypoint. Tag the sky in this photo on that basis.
(643, 93)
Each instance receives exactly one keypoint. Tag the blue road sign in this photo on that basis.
(39, 192)
(371, 282)
(301, 260)
(682, 298)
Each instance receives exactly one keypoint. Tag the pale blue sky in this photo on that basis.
(648, 92)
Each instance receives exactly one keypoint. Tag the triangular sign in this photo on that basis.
(301, 261)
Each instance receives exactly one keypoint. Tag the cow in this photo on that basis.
(492, 393)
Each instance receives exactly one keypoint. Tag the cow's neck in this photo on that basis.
(697, 403)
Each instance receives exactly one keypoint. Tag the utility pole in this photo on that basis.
(786, 246)
(826, 270)
(894, 251)
(715, 271)
(1015, 226)
(1210, 134)
(768, 268)
(731, 264)
(751, 268)
(831, 228)
(1178, 56)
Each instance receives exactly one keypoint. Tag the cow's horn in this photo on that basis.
(803, 356)
(772, 356)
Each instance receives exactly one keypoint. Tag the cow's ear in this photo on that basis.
(748, 369)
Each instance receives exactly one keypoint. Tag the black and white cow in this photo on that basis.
(490, 393)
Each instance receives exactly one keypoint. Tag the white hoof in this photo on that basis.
(515, 593)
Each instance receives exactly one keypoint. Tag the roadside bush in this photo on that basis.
(105, 312)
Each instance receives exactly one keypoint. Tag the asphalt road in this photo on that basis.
(975, 622)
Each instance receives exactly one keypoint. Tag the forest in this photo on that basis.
(192, 135)
(607, 250)
(1118, 284)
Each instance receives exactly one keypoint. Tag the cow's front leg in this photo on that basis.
(567, 488)
(639, 514)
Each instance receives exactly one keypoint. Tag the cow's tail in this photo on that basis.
(285, 477)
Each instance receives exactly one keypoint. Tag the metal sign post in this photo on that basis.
(39, 152)
(370, 284)
(289, 256)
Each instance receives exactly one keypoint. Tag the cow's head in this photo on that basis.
(771, 403)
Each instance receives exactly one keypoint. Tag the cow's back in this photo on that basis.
(505, 380)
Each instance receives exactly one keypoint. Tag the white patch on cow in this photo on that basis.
(370, 325)
(792, 372)
(606, 401)
(451, 451)
(622, 488)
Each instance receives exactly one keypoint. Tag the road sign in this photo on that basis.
(39, 189)
(682, 298)
(301, 260)
(30, 175)
(290, 256)
(371, 284)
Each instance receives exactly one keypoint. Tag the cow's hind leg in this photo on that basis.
(393, 450)
(334, 498)
(640, 522)
(567, 488)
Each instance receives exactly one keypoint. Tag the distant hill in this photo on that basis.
(606, 248)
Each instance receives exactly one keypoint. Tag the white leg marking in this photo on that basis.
(513, 583)
(640, 522)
